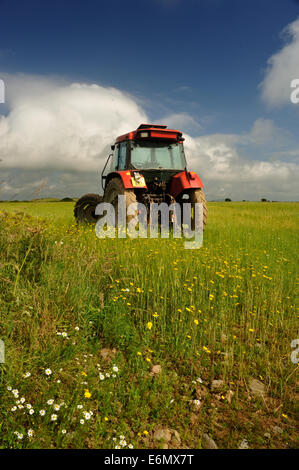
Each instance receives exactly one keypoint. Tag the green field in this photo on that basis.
(101, 314)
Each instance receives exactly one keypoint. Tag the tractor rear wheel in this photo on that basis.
(84, 210)
(116, 188)
(197, 195)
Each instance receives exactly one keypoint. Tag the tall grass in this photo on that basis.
(225, 312)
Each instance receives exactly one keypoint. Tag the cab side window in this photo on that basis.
(122, 156)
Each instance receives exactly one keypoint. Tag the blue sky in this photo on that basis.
(199, 62)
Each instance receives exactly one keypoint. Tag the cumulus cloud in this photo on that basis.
(62, 126)
(56, 136)
(283, 67)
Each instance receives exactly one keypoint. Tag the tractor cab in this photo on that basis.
(150, 147)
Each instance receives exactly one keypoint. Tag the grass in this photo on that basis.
(101, 313)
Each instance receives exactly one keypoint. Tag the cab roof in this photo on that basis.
(152, 132)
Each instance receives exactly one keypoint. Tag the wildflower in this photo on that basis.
(284, 416)
(28, 406)
(86, 415)
(30, 432)
(145, 433)
(48, 372)
(53, 417)
(123, 443)
(83, 373)
(42, 412)
(196, 322)
(22, 400)
(117, 447)
(82, 421)
(106, 419)
(15, 392)
(50, 402)
(87, 393)
(196, 402)
(19, 435)
(107, 375)
(63, 431)
(26, 375)
(149, 325)
(64, 334)
(79, 407)
(31, 411)
(102, 376)
(115, 368)
(131, 446)
(56, 407)
(77, 328)
(13, 408)
(9, 388)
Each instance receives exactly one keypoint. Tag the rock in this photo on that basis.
(244, 444)
(157, 369)
(176, 439)
(107, 353)
(207, 442)
(163, 435)
(257, 387)
(277, 430)
(217, 384)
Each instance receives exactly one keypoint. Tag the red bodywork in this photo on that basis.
(184, 180)
(154, 132)
(126, 177)
(180, 182)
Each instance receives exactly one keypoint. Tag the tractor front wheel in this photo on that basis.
(116, 188)
(85, 207)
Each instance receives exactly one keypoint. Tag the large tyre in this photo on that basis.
(116, 188)
(84, 210)
(197, 195)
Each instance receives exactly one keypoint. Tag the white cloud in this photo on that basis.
(60, 126)
(182, 121)
(56, 137)
(283, 67)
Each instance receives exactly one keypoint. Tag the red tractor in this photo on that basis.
(147, 165)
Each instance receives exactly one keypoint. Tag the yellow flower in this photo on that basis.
(106, 419)
(84, 373)
(138, 353)
(145, 432)
(196, 321)
(87, 393)
(149, 325)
